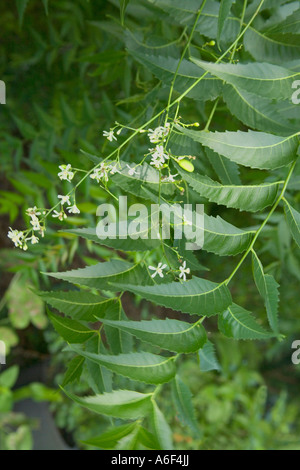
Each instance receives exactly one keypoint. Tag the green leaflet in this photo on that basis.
(182, 398)
(127, 244)
(224, 239)
(130, 441)
(74, 370)
(239, 324)
(251, 149)
(219, 236)
(260, 113)
(144, 175)
(267, 80)
(246, 198)
(124, 404)
(172, 335)
(109, 439)
(268, 289)
(293, 221)
(290, 25)
(78, 305)
(164, 68)
(99, 378)
(100, 276)
(197, 296)
(118, 340)
(208, 358)
(147, 439)
(267, 5)
(227, 171)
(161, 428)
(274, 48)
(144, 367)
(185, 13)
(180, 144)
(116, 438)
(70, 330)
(223, 15)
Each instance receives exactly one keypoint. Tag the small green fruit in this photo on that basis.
(186, 165)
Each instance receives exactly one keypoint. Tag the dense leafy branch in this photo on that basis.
(252, 91)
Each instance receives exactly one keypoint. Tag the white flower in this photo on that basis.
(170, 178)
(109, 135)
(157, 163)
(35, 223)
(131, 171)
(64, 200)
(158, 270)
(112, 169)
(59, 215)
(32, 211)
(66, 173)
(73, 210)
(34, 240)
(159, 152)
(96, 175)
(183, 271)
(16, 237)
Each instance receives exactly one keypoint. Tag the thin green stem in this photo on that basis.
(258, 232)
(181, 59)
(241, 25)
(169, 106)
(211, 114)
(222, 56)
(231, 60)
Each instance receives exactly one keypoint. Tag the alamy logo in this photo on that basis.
(296, 94)
(136, 221)
(2, 353)
(2, 92)
(296, 354)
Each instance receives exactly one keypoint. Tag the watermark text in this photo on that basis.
(2, 92)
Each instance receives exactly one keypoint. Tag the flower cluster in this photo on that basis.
(33, 213)
(159, 134)
(159, 156)
(20, 238)
(72, 208)
(100, 173)
(103, 171)
(159, 270)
